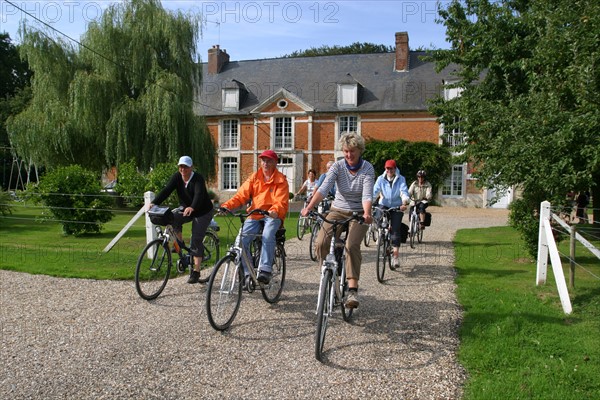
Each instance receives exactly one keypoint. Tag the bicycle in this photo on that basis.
(224, 293)
(303, 224)
(333, 288)
(414, 227)
(322, 208)
(154, 264)
(371, 234)
(384, 242)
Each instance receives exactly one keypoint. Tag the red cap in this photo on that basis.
(390, 164)
(269, 154)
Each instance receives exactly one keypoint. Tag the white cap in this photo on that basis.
(185, 160)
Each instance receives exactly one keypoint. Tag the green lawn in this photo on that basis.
(29, 244)
(516, 342)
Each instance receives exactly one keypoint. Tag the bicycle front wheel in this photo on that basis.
(322, 313)
(210, 256)
(412, 233)
(272, 291)
(313, 248)
(383, 258)
(301, 227)
(152, 269)
(224, 293)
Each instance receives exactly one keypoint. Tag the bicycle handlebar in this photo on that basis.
(354, 216)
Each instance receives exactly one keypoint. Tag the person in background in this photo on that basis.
(268, 190)
(309, 184)
(420, 194)
(354, 179)
(196, 205)
(322, 178)
(582, 201)
(391, 187)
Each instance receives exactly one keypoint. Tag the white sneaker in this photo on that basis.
(395, 262)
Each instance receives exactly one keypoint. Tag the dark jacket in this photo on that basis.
(195, 195)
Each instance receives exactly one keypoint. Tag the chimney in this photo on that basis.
(216, 59)
(401, 51)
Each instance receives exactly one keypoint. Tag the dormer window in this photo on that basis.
(231, 99)
(347, 95)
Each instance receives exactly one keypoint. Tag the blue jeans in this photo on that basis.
(252, 228)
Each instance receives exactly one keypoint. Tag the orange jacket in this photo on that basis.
(273, 195)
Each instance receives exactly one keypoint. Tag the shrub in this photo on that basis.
(73, 196)
(5, 202)
(130, 184)
(158, 178)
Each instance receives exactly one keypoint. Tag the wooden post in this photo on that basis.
(572, 256)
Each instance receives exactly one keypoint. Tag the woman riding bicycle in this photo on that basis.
(197, 207)
(268, 189)
(420, 195)
(354, 178)
(394, 193)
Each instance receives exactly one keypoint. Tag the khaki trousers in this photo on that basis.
(356, 234)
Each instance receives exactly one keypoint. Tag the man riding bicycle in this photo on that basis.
(392, 188)
(268, 190)
(420, 194)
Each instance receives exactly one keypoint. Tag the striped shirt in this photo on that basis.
(352, 190)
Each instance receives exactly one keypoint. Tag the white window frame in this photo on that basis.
(230, 140)
(229, 173)
(347, 95)
(231, 99)
(455, 137)
(454, 185)
(283, 137)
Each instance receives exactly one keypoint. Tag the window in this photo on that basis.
(283, 133)
(454, 137)
(229, 173)
(231, 99)
(453, 186)
(347, 95)
(348, 123)
(229, 134)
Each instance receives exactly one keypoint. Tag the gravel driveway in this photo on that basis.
(86, 339)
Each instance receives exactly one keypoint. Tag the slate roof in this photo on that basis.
(315, 79)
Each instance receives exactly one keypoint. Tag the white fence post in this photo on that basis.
(542, 256)
(547, 245)
(150, 232)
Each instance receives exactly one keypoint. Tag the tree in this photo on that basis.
(126, 92)
(530, 101)
(410, 158)
(354, 48)
(15, 93)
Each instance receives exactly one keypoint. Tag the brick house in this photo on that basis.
(300, 106)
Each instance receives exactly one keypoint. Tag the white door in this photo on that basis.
(503, 199)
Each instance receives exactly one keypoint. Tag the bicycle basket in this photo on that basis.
(160, 215)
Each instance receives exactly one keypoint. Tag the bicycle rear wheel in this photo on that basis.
(301, 227)
(346, 312)
(383, 257)
(224, 293)
(272, 291)
(322, 313)
(153, 269)
(313, 248)
(210, 257)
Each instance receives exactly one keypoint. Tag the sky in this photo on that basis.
(250, 30)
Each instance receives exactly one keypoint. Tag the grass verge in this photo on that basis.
(28, 243)
(516, 342)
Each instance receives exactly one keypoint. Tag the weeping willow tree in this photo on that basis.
(127, 92)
